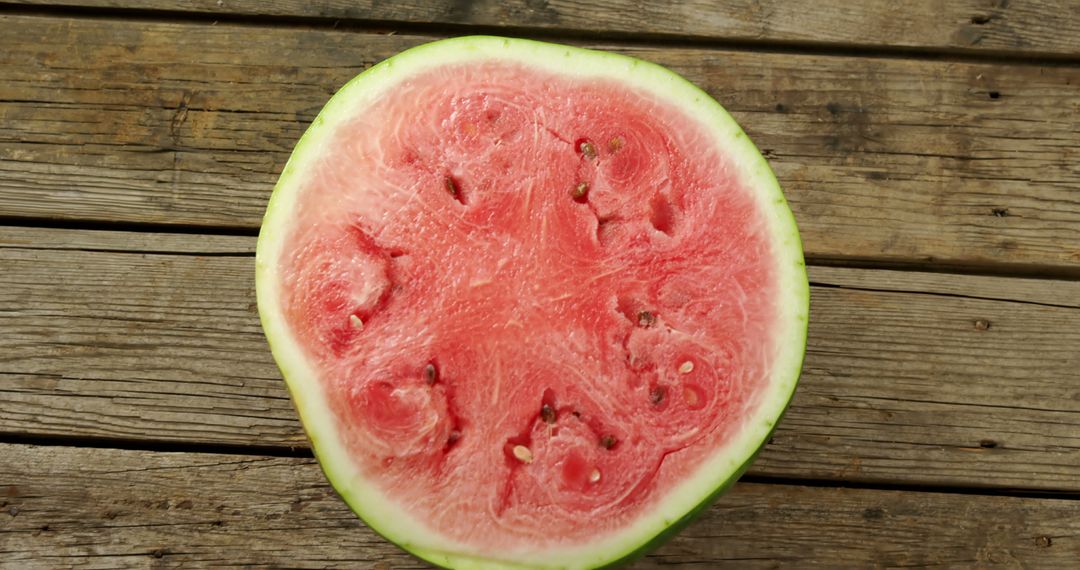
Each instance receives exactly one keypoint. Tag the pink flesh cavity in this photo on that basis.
(440, 228)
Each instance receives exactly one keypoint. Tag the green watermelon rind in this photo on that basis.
(717, 473)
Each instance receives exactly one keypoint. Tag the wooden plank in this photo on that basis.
(973, 379)
(103, 508)
(1041, 27)
(885, 159)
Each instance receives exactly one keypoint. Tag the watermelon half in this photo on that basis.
(536, 305)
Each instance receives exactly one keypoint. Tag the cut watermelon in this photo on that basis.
(536, 305)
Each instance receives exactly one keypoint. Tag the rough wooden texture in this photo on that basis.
(886, 159)
(100, 508)
(973, 379)
(1029, 27)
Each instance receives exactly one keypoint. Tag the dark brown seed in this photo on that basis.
(576, 413)
(580, 191)
(646, 319)
(587, 150)
(547, 413)
(430, 374)
(608, 441)
(451, 188)
(453, 437)
(656, 395)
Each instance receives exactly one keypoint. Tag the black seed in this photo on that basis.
(580, 191)
(430, 374)
(576, 414)
(646, 319)
(608, 441)
(587, 150)
(547, 413)
(656, 395)
(451, 188)
(453, 437)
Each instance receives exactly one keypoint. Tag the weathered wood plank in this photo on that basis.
(973, 379)
(1039, 27)
(103, 508)
(885, 159)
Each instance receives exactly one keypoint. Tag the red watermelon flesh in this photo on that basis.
(534, 302)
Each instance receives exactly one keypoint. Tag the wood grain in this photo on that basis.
(992, 26)
(102, 508)
(141, 337)
(926, 162)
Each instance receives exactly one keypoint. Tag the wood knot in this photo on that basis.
(982, 325)
(1043, 541)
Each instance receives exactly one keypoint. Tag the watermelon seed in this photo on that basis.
(356, 322)
(646, 319)
(430, 374)
(547, 413)
(686, 367)
(454, 436)
(587, 150)
(523, 454)
(452, 189)
(580, 191)
(656, 395)
(608, 441)
(594, 477)
(615, 144)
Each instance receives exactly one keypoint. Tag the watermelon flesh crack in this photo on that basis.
(534, 303)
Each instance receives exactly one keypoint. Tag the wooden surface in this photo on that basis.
(908, 161)
(116, 343)
(97, 507)
(1045, 27)
(929, 151)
